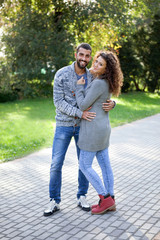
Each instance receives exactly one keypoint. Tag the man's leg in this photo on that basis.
(61, 142)
(83, 183)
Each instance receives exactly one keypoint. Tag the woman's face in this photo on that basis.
(99, 66)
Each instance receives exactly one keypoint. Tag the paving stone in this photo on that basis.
(150, 236)
(14, 234)
(65, 237)
(124, 226)
(32, 237)
(109, 238)
(73, 238)
(2, 236)
(90, 228)
(45, 235)
(125, 235)
(56, 235)
(100, 236)
(157, 237)
(154, 230)
(147, 226)
(117, 233)
(136, 191)
(109, 230)
(17, 238)
(89, 236)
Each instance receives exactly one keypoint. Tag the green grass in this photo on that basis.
(133, 106)
(28, 125)
(25, 126)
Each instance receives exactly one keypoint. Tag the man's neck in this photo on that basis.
(78, 70)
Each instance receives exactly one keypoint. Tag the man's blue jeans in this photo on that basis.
(62, 138)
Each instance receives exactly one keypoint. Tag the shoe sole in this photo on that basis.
(50, 213)
(106, 210)
(84, 209)
(113, 209)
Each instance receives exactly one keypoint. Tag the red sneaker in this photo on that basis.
(106, 203)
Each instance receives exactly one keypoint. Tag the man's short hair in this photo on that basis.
(85, 46)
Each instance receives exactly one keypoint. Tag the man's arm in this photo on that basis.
(88, 115)
(62, 105)
(59, 98)
(109, 105)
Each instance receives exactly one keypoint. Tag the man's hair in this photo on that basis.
(85, 46)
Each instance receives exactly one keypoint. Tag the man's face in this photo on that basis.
(83, 57)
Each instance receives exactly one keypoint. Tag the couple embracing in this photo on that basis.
(82, 101)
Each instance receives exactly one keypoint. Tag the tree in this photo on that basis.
(153, 60)
(147, 47)
(40, 36)
(131, 67)
(141, 49)
(36, 41)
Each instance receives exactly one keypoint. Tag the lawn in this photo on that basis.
(28, 125)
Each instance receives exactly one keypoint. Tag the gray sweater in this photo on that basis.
(67, 111)
(94, 135)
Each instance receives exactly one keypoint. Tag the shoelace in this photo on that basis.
(99, 202)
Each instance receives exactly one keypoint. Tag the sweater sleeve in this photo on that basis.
(94, 92)
(59, 99)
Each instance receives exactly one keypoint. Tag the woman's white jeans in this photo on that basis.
(85, 165)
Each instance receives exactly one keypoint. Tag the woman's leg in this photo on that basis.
(85, 164)
(107, 173)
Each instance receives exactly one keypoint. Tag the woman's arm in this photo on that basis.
(96, 89)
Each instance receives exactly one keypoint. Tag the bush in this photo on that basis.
(8, 97)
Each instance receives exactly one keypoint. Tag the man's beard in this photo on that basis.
(79, 65)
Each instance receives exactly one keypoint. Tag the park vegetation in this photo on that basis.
(28, 125)
(39, 37)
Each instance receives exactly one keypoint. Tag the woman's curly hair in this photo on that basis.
(113, 73)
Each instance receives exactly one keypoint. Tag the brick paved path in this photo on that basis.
(135, 157)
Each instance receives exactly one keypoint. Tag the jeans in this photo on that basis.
(85, 164)
(62, 138)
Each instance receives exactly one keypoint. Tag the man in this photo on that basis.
(67, 125)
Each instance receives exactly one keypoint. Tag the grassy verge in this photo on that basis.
(133, 106)
(25, 126)
(28, 125)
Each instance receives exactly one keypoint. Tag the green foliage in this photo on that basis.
(37, 41)
(153, 56)
(8, 96)
(131, 66)
(40, 37)
(139, 57)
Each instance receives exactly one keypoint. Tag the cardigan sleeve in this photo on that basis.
(59, 98)
(93, 93)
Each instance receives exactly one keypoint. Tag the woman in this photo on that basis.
(94, 136)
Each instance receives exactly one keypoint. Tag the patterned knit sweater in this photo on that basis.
(67, 111)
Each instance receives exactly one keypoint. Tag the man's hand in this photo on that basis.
(81, 81)
(109, 105)
(88, 115)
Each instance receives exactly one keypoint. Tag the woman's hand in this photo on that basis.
(81, 81)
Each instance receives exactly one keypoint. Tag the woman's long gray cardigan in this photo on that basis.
(94, 135)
